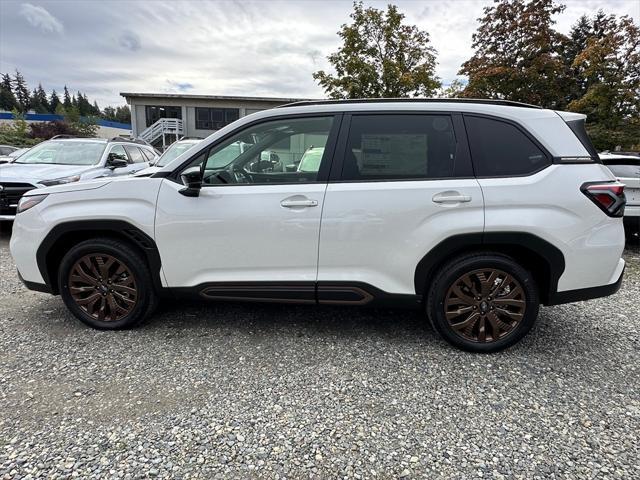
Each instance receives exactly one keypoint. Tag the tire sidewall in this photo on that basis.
(130, 259)
(451, 272)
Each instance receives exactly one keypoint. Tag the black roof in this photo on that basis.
(486, 101)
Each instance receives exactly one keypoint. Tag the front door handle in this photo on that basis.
(450, 197)
(298, 201)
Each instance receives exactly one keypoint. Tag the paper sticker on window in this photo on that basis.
(388, 154)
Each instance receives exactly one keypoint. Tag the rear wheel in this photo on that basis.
(482, 302)
(106, 284)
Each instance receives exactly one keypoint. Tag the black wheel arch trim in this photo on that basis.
(501, 242)
(109, 228)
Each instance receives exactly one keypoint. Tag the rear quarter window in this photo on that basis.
(501, 149)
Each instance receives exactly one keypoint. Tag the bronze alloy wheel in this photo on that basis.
(485, 305)
(103, 287)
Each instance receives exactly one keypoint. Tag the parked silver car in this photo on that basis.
(66, 160)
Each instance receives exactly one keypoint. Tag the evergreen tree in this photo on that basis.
(66, 99)
(21, 92)
(39, 101)
(54, 101)
(95, 109)
(7, 99)
(35, 103)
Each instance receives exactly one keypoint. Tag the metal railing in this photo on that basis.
(162, 128)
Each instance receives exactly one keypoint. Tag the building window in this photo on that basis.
(215, 118)
(156, 112)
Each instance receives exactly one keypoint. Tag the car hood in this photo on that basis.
(34, 173)
(147, 172)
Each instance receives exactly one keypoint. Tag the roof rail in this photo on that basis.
(129, 140)
(63, 135)
(486, 101)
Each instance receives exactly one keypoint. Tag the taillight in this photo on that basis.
(608, 196)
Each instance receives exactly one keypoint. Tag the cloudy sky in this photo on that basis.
(267, 48)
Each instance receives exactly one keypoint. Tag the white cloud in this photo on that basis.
(130, 40)
(213, 47)
(40, 18)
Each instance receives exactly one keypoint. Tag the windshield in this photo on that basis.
(311, 159)
(64, 153)
(173, 152)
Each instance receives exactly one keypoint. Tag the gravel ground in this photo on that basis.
(267, 391)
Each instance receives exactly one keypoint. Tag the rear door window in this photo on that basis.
(135, 154)
(501, 149)
(390, 147)
(148, 154)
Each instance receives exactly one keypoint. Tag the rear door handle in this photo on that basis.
(298, 202)
(450, 197)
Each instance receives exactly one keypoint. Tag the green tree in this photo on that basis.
(66, 99)
(609, 67)
(54, 101)
(518, 54)
(39, 102)
(21, 91)
(380, 56)
(123, 114)
(7, 99)
(454, 90)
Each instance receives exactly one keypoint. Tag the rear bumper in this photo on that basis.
(36, 287)
(569, 296)
(632, 211)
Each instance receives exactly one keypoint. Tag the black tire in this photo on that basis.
(137, 274)
(470, 266)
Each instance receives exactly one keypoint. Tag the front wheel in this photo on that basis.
(106, 284)
(483, 302)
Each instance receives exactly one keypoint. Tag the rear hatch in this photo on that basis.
(626, 168)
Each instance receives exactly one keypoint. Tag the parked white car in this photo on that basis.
(174, 151)
(626, 168)
(475, 212)
(67, 160)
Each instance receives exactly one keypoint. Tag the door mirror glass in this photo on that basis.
(192, 180)
(116, 160)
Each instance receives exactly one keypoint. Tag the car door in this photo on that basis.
(253, 230)
(121, 152)
(137, 159)
(400, 185)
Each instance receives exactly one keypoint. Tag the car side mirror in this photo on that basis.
(116, 160)
(192, 180)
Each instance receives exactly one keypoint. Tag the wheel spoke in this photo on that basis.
(482, 333)
(451, 314)
(122, 288)
(468, 323)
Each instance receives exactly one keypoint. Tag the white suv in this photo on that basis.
(474, 211)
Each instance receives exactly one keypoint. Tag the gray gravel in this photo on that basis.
(237, 391)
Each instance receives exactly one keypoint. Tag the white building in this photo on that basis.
(161, 118)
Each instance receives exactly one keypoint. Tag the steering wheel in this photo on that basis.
(241, 176)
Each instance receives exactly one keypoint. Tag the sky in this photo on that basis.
(249, 48)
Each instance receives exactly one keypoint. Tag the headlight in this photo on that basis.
(26, 203)
(60, 181)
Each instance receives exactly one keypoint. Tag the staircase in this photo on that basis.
(167, 129)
